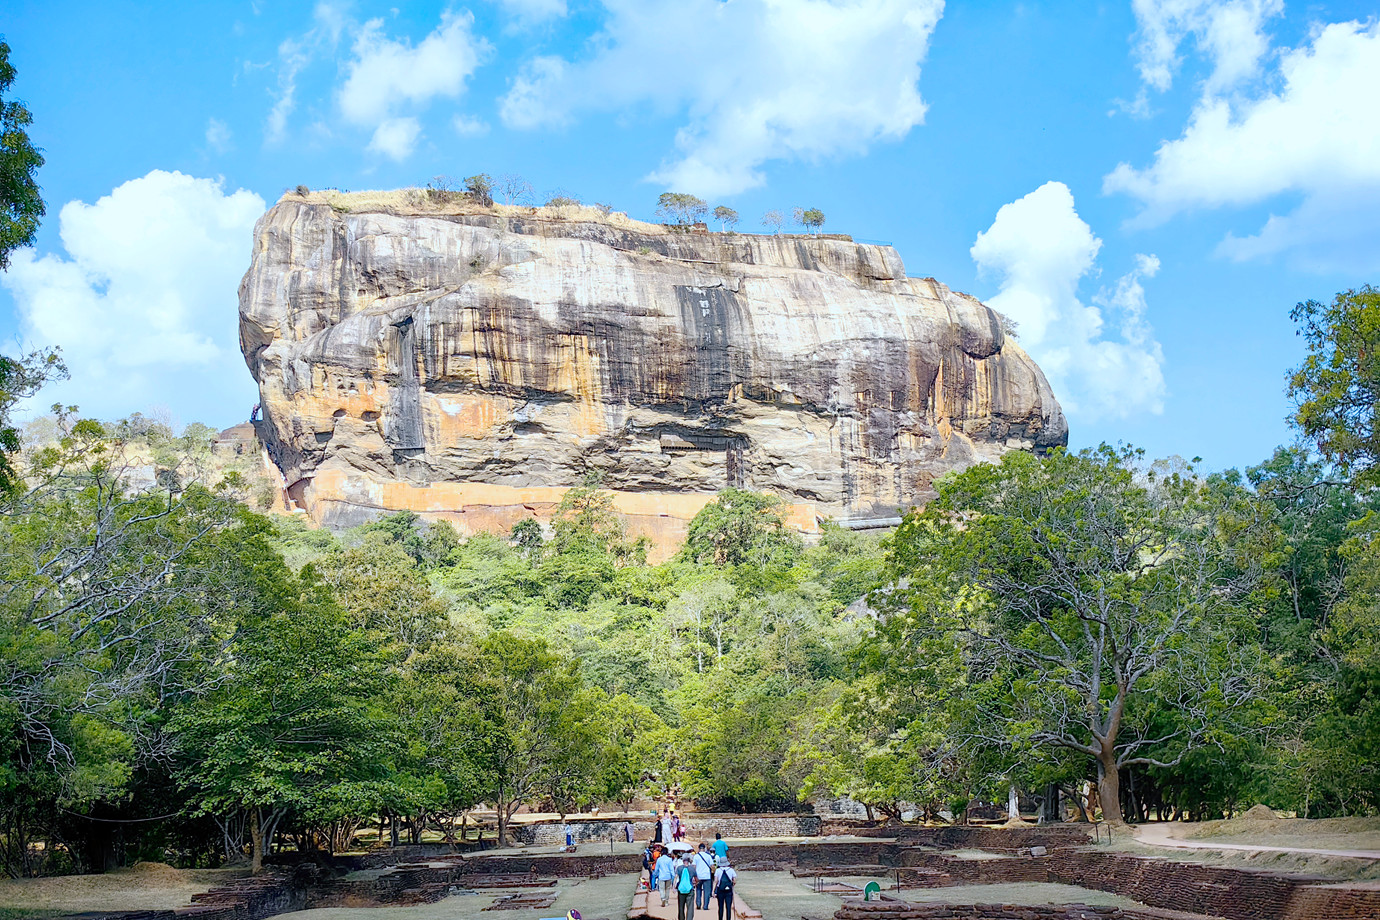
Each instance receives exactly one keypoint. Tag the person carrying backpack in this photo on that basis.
(704, 877)
(724, 880)
(685, 891)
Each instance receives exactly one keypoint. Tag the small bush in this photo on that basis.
(303, 191)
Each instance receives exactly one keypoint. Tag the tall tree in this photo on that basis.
(1337, 387)
(539, 725)
(21, 203)
(1104, 603)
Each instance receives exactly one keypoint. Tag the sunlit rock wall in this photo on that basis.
(473, 366)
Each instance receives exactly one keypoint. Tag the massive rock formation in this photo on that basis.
(474, 364)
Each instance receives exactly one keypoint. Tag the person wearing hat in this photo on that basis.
(724, 880)
(685, 890)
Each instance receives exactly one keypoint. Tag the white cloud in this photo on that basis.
(396, 137)
(144, 305)
(531, 12)
(217, 136)
(387, 74)
(465, 126)
(757, 80)
(1315, 136)
(1041, 250)
(294, 55)
(1230, 33)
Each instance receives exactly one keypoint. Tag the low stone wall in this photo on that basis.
(268, 894)
(966, 836)
(904, 910)
(698, 827)
(1330, 902)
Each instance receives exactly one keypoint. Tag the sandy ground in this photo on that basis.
(146, 887)
(778, 895)
(1339, 834)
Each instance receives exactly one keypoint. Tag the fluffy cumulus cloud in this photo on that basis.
(1309, 137)
(144, 305)
(756, 80)
(387, 74)
(1040, 250)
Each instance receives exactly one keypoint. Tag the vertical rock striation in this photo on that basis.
(473, 365)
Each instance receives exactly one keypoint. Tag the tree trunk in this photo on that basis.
(256, 836)
(1109, 790)
(502, 824)
(1013, 805)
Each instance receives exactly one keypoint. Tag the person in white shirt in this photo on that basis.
(724, 880)
(665, 870)
(704, 876)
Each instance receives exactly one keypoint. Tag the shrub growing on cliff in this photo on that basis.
(681, 207)
(727, 217)
(809, 218)
(480, 189)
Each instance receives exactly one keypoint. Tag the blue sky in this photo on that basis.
(1146, 186)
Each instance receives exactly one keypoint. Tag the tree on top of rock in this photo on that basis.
(809, 218)
(726, 216)
(682, 208)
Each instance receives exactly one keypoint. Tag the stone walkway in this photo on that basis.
(647, 906)
(1160, 835)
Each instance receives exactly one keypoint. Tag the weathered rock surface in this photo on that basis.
(474, 365)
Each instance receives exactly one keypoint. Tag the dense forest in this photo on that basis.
(182, 678)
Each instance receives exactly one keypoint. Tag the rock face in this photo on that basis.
(473, 366)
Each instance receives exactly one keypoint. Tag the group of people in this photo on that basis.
(695, 876)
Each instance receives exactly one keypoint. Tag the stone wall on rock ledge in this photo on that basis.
(474, 365)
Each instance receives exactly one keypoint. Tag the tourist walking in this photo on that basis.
(704, 877)
(665, 871)
(569, 835)
(720, 850)
(724, 880)
(657, 825)
(677, 830)
(685, 891)
(649, 863)
(628, 830)
(667, 834)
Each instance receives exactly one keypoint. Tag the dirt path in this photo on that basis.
(1161, 835)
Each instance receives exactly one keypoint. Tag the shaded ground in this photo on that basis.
(607, 898)
(148, 886)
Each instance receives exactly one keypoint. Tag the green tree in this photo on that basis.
(726, 216)
(538, 725)
(21, 203)
(1104, 605)
(809, 218)
(683, 208)
(291, 727)
(20, 378)
(1337, 387)
(480, 188)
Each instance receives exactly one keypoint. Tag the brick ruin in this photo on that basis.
(914, 857)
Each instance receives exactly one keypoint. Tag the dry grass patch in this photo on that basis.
(148, 886)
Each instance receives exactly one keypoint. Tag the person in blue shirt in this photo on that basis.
(685, 890)
(720, 849)
(664, 869)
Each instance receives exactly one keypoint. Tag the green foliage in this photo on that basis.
(809, 218)
(20, 378)
(480, 188)
(21, 202)
(726, 216)
(1337, 387)
(681, 207)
